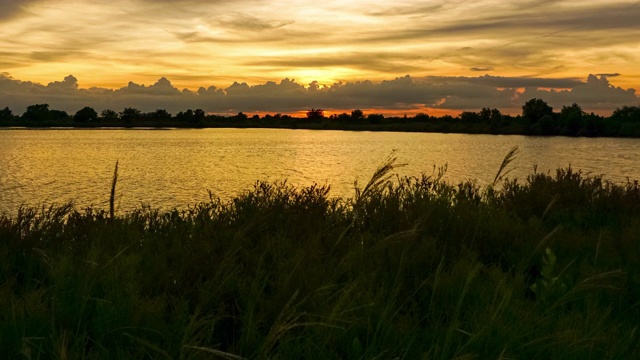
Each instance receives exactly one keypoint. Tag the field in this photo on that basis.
(408, 268)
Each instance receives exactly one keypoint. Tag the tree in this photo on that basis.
(241, 116)
(185, 116)
(375, 118)
(344, 118)
(37, 112)
(191, 116)
(86, 114)
(535, 109)
(130, 114)
(357, 115)
(490, 115)
(199, 115)
(57, 115)
(470, 117)
(159, 114)
(109, 115)
(546, 126)
(315, 114)
(6, 114)
(571, 118)
(421, 117)
(627, 114)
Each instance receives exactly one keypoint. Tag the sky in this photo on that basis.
(286, 56)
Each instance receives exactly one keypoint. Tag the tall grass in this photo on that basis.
(411, 267)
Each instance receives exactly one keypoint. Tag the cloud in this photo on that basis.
(596, 94)
(493, 20)
(242, 22)
(413, 10)
(380, 62)
(400, 94)
(221, 41)
(10, 8)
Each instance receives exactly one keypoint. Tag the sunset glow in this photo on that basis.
(196, 44)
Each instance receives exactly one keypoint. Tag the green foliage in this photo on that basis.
(408, 268)
(550, 283)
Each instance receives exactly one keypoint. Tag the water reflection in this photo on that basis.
(176, 167)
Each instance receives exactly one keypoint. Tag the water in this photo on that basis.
(176, 168)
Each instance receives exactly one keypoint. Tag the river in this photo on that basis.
(177, 167)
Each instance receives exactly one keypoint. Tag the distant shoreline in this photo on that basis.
(537, 119)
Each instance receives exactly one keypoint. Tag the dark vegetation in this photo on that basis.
(409, 268)
(537, 118)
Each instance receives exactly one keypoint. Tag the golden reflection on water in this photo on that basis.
(175, 168)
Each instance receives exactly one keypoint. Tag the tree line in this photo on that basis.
(537, 118)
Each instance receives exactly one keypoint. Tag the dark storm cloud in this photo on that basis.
(403, 93)
(519, 82)
(587, 19)
(595, 93)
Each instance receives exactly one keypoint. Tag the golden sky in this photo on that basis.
(446, 48)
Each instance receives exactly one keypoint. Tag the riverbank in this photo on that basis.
(537, 119)
(546, 267)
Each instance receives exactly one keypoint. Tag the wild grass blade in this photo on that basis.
(217, 353)
(112, 197)
(503, 171)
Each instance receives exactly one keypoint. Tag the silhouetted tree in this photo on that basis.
(58, 115)
(593, 125)
(344, 118)
(546, 126)
(490, 115)
(375, 118)
(315, 114)
(160, 115)
(86, 114)
(37, 112)
(571, 118)
(421, 117)
(470, 117)
(6, 114)
(185, 116)
(109, 115)
(129, 115)
(240, 116)
(535, 109)
(357, 115)
(626, 114)
(199, 115)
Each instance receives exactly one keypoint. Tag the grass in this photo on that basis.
(410, 268)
